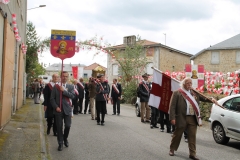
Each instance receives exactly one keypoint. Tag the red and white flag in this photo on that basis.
(162, 89)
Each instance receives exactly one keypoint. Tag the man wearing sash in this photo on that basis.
(144, 89)
(80, 94)
(116, 96)
(75, 100)
(102, 90)
(51, 121)
(92, 94)
(62, 111)
(184, 113)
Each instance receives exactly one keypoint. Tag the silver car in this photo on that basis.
(225, 123)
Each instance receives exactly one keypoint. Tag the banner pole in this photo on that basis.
(61, 85)
(192, 88)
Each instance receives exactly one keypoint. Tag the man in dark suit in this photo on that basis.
(87, 98)
(116, 96)
(144, 90)
(51, 121)
(81, 87)
(62, 111)
(75, 100)
(184, 113)
(102, 90)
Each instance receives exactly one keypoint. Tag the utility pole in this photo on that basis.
(165, 37)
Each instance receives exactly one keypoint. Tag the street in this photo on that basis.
(125, 137)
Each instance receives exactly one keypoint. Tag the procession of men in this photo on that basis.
(63, 101)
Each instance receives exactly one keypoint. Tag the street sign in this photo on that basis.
(63, 43)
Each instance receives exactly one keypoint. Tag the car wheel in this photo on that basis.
(137, 110)
(219, 134)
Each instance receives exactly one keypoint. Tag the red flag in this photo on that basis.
(75, 72)
(161, 92)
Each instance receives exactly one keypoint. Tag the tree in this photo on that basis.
(35, 46)
(131, 60)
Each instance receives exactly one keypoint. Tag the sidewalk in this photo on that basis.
(23, 137)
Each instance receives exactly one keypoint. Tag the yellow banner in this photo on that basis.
(63, 32)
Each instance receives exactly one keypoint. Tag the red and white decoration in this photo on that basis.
(4, 1)
(161, 92)
(15, 29)
(196, 72)
(75, 72)
(24, 48)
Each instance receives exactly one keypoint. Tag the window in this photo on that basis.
(238, 57)
(85, 75)
(149, 69)
(233, 104)
(115, 69)
(215, 57)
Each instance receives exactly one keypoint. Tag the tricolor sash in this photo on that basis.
(67, 98)
(50, 86)
(104, 95)
(145, 86)
(195, 108)
(80, 84)
(115, 88)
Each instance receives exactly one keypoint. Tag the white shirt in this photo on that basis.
(188, 103)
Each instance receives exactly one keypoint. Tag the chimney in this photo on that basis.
(129, 40)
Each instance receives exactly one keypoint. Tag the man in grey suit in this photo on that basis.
(63, 112)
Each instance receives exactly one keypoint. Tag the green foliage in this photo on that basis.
(35, 46)
(130, 91)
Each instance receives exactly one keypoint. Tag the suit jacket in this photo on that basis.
(92, 89)
(114, 94)
(178, 108)
(47, 95)
(80, 90)
(55, 99)
(144, 94)
(86, 88)
(99, 95)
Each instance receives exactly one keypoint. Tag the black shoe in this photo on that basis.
(118, 114)
(155, 126)
(84, 112)
(114, 114)
(98, 123)
(55, 134)
(151, 126)
(142, 121)
(60, 147)
(102, 123)
(66, 143)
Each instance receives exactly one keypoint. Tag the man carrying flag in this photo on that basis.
(184, 113)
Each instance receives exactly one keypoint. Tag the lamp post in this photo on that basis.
(40, 6)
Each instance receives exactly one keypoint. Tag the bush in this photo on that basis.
(129, 92)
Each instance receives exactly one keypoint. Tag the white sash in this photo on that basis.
(115, 88)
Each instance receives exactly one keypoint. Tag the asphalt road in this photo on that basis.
(125, 137)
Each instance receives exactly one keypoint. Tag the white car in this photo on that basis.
(225, 123)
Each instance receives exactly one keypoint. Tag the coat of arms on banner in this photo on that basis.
(63, 43)
(196, 73)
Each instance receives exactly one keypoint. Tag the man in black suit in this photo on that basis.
(80, 94)
(116, 96)
(102, 90)
(51, 121)
(62, 111)
(87, 98)
(75, 100)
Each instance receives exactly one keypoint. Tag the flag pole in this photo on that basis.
(192, 88)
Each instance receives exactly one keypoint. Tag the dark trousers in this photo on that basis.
(86, 104)
(101, 107)
(116, 102)
(80, 105)
(59, 123)
(162, 121)
(51, 122)
(75, 106)
(154, 116)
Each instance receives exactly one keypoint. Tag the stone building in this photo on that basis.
(158, 55)
(12, 59)
(221, 57)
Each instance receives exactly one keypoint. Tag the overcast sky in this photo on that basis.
(189, 25)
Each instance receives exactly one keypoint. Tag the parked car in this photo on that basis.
(225, 123)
